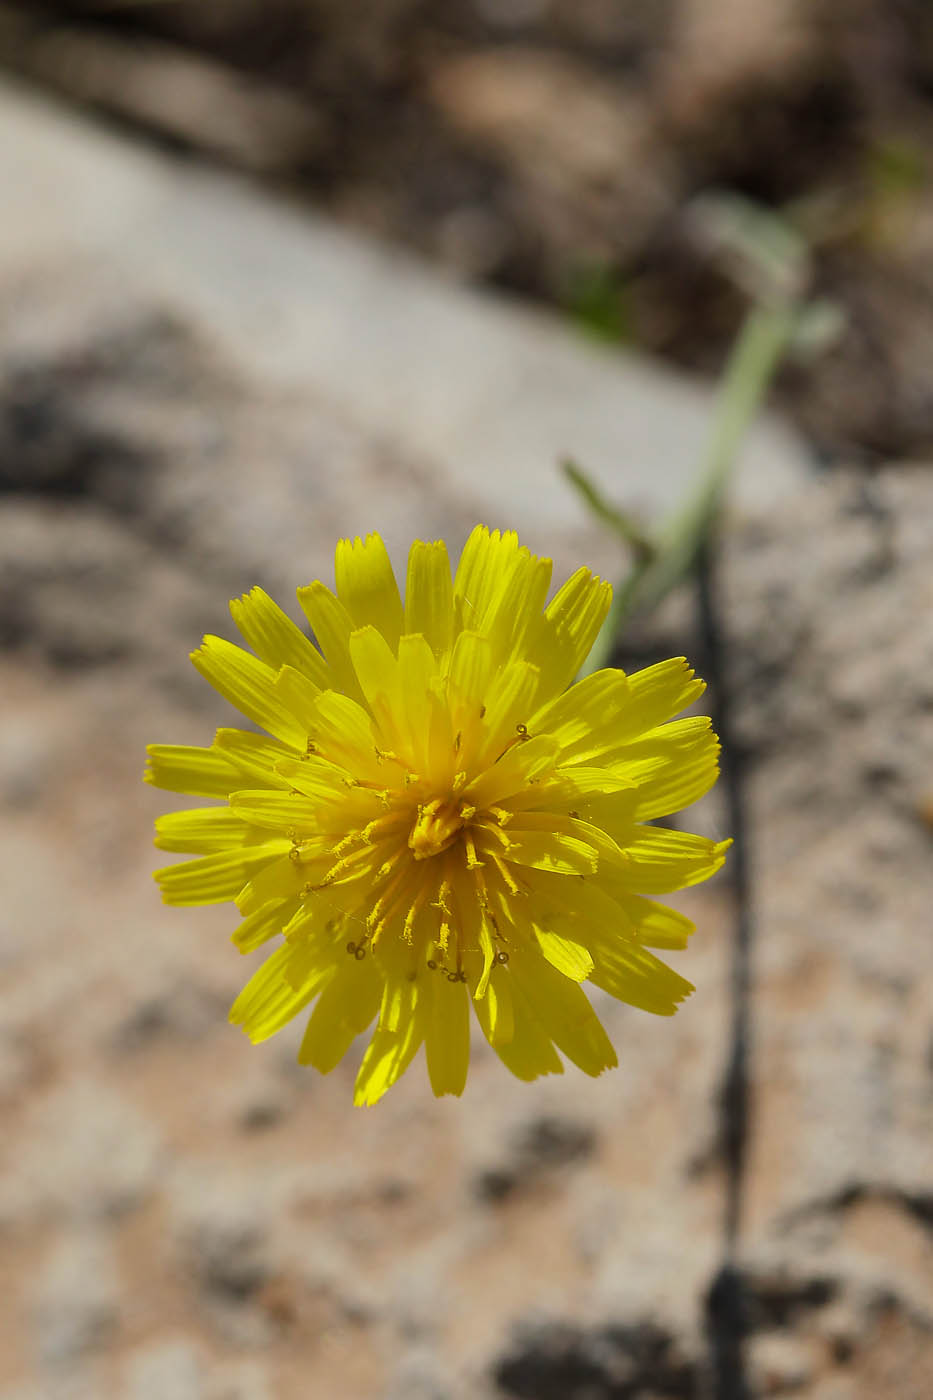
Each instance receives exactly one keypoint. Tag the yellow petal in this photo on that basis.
(251, 756)
(599, 717)
(447, 1036)
(616, 932)
(332, 625)
(366, 586)
(282, 811)
(298, 695)
(184, 768)
(585, 902)
(345, 732)
(499, 590)
(377, 672)
(429, 595)
(472, 666)
(554, 851)
(678, 741)
(276, 639)
(264, 924)
(495, 1011)
(279, 878)
(345, 1008)
(508, 705)
(515, 613)
(488, 950)
(681, 782)
(281, 988)
(249, 685)
(417, 670)
(662, 691)
(214, 878)
(570, 958)
(201, 829)
(658, 860)
(565, 1014)
(657, 925)
(520, 766)
(315, 777)
(586, 707)
(485, 567)
(633, 975)
(390, 1052)
(399, 1000)
(529, 1052)
(561, 640)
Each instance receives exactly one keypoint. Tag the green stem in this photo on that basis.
(629, 531)
(752, 363)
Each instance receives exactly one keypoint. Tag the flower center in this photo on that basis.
(436, 828)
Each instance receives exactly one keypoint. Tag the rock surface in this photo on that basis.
(483, 395)
(183, 1214)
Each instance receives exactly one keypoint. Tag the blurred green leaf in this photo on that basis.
(616, 520)
(597, 300)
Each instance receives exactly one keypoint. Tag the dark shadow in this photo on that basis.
(727, 1316)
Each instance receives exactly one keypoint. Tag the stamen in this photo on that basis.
(442, 902)
(414, 909)
(473, 860)
(437, 827)
(346, 843)
(388, 756)
(521, 734)
(499, 835)
(506, 874)
(382, 825)
(345, 863)
(383, 909)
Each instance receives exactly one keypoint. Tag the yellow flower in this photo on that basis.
(436, 821)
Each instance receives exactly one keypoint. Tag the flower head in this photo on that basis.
(436, 822)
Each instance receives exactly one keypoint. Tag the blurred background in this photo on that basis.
(274, 273)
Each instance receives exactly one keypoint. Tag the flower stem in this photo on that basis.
(762, 341)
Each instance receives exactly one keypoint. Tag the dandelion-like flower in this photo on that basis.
(436, 821)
